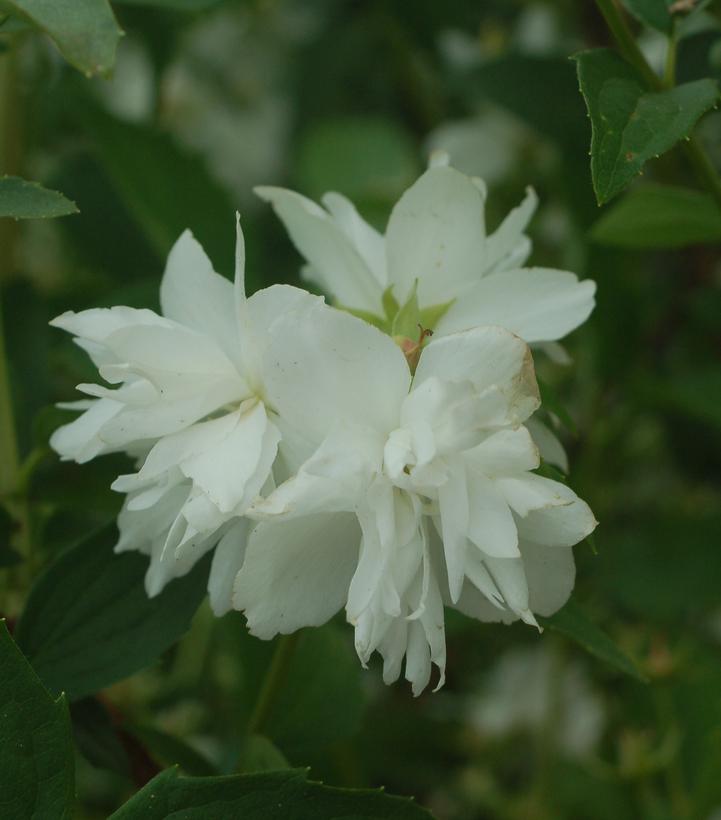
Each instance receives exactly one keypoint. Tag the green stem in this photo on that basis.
(9, 462)
(705, 172)
(669, 70)
(626, 42)
(273, 682)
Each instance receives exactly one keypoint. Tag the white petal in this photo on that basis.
(327, 248)
(558, 526)
(488, 357)
(258, 315)
(534, 492)
(455, 516)
(491, 526)
(369, 243)
(333, 479)
(296, 573)
(505, 452)
(194, 295)
(232, 470)
(510, 577)
(537, 304)
(323, 366)
(507, 242)
(80, 439)
(436, 235)
(227, 561)
(548, 444)
(551, 574)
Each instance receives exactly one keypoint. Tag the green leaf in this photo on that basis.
(140, 162)
(88, 622)
(652, 13)
(322, 701)
(430, 316)
(282, 795)
(36, 751)
(21, 199)
(573, 623)
(659, 216)
(390, 304)
(85, 31)
(629, 124)
(408, 318)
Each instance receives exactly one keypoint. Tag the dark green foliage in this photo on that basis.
(36, 752)
(631, 125)
(20, 199)
(89, 623)
(285, 795)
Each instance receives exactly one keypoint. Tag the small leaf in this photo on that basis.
(21, 199)
(366, 316)
(652, 13)
(390, 304)
(573, 623)
(85, 31)
(407, 320)
(36, 751)
(276, 795)
(88, 622)
(430, 316)
(660, 216)
(629, 124)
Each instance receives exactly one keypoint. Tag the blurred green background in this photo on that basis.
(203, 104)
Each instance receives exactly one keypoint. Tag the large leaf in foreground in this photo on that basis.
(36, 751)
(573, 623)
(660, 216)
(88, 622)
(85, 31)
(282, 795)
(21, 199)
(630, 125)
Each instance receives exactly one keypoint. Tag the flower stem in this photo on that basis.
(703, 168)
(273, 682)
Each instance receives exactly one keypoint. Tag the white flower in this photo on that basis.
(187, 396)
(420, 491)
(436, 235)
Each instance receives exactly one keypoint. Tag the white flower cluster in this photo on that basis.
(331, 464)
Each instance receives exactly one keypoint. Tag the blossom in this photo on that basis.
(186, 398)
(436, 237)
(419, 491)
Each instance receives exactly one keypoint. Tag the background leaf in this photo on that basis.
(659, 216)
(88, 621)
(284, 795)
(629, 124)
(85, 31)
(36, 751)
(573, 623)
(652, 13)
(21, 199)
